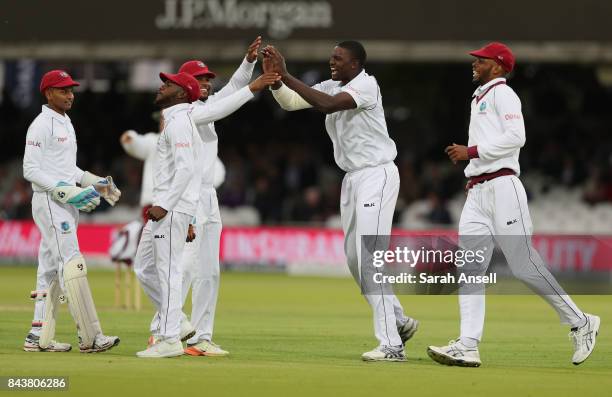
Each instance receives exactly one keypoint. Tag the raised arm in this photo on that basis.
(222, 108)
(242, 76)
(319, 100)
(288, 99)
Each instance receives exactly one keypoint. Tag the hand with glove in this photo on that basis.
(105, 186)
(83, 199)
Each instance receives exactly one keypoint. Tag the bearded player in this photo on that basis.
(496, 209)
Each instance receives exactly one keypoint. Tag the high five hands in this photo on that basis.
(273, 61)
(263, 81)
(251, 54)
(269, 77)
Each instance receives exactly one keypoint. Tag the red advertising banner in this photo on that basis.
(301, 245)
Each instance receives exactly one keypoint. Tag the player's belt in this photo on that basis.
(475, 180)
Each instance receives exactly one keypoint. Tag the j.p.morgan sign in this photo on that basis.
(278, 18)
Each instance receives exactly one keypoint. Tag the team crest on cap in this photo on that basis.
(63, 75)
(201, 64)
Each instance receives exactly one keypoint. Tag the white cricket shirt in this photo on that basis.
(204, 116)
(359, 135)
(496, 128)
(144, 147)
(50, 151)
(177, 177)
(219, 105)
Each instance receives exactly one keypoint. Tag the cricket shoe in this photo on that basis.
(162, 349)
(408, 330)
(385, 353)
(455, 353)
(101, 344)
(206, 348)
(187, 331)
(31, 345)
(584, 338)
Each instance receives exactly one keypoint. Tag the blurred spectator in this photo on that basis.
(599, 186)
(438, 213)
(16, 201)
(309, 207)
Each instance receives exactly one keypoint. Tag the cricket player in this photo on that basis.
(144, 147)
(175, 187)
(176, 184)
(356, 124)
(61, 190)
(201, 257)
(496, 207)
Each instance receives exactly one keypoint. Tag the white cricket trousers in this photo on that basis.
(202, 274)
(57, 224)
(497, 210)
(201, 270)
(367, 204)
(159, 268)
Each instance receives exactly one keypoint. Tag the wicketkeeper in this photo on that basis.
(61, 190)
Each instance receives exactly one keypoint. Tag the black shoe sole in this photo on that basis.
(188, 336)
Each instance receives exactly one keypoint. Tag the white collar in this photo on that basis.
(486, 86)
(360, 75)
(62, 119)
(167, 113)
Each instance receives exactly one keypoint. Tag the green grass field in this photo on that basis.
(304, 336)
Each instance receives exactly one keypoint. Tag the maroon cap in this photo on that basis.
(186, 82)
(56, 79)
(498, 52)
(196, 68)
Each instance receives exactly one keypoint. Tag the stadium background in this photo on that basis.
(282, 185)
(280, 168)
(280, 164)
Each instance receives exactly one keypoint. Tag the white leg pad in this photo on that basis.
(80, 301)
(47, 331)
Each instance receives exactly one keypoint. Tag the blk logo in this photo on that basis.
(159, 236)
(368, 205)
(511, 222)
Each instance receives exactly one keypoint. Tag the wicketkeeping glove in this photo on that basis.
(107, 189)
(105, 186)
(83, 199)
